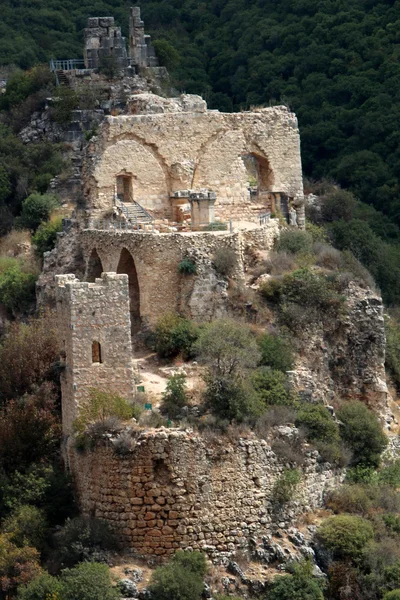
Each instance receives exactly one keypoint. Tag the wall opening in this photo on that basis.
(95, 267)
(124, 187)
(127, 265)
(96, 352)
(260, 178)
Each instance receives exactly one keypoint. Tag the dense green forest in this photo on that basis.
(335, 63)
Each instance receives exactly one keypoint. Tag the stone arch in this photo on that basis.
(126, 265)
(94, 267)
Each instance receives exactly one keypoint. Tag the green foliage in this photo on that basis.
(84, 539)
(174, 398)
(187, 267)
(345, 536)
(180, 579)
(66, 102)
(216, 226)
(46, 235)
(227, 348)
(167, 55)
(225, 261)
(318, 423)
(44, 587)
(390, 474)
(17, 289)
(232, 398)
(301, 585)
(88, 581)
(174, 335)
(109, 66)
(393, 595)
(36, 209)
(17, 565)
(286, 485)
(272, 387)
(361, 431)
(26, 526)
(295, 242)
(275, 352)
(99, 406)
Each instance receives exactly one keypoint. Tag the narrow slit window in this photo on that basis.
(96, 352)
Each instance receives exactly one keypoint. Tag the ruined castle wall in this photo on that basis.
(87, 313)
(178, 490)
(165, 153)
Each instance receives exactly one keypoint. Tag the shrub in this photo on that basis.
(17, 289)
(195, 562)
(46, 236)
(286, 485)
(390, 474)
(311, 290)
(289, 450)
(278, 263)
(36, 208)
(338, 205)
(18, 566)
(174, 582)
(275, 415)
(393, 595)
(109, 66)
(174, 335)
(227, 348)
(295, 242)
(167, 54)
(187, 267)
(225, 261)
(84, 539)
(174, 397)
(275, 352)
(272, 387)
(362, 433)
(318, 423)
(88, 581)
(327, 256)
(99, 406)
(301, 585)
(44, 587)
(232, 398)
(26, 526)
(66, 102)
(345, 536)
(216, 226)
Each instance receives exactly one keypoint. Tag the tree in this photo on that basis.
(88, 581)
(345, 536)
(318, 423)
(43, 587)
(45, 237)
(275, 352)
(26, 526)
(181, 579)
(174, 398)
(36, 208)
(361, 431)
(18, 566)
(17, 289)
(272, 387)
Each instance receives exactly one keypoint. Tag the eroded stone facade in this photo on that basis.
(95, 340)
(175, 489)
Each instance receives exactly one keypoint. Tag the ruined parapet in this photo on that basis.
(103, 40)
(95, 339)
(141, 51)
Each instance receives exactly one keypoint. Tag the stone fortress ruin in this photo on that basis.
(167, 180)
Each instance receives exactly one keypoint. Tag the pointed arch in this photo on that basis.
(95, 267)
(126, 265)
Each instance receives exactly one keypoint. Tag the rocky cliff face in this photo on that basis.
(344, 358)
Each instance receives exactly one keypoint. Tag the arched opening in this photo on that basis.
(124, 187)
(95, 267)
(127, 265)
(96, 352)
(260, 178)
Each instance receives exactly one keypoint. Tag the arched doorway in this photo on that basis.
(260, 178)
(95, 267)
(127, 265)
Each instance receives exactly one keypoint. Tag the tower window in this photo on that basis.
(96, 352)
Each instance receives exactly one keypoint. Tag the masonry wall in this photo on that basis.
(157, 256)
(165, 153)
(178, 490)
(87, 313)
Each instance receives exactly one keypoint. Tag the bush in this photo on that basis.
(84, 539)
(345, 536)
(272, 387)
(275, 352)
(195, 562)
(216, 226)
(44, 587)
(362, 433)
(168, 56)
(99, 406)
(18, 566)
(295, 242)
(232, 398)
(66, 102)
(45, 237)
(88, 581)
(225, 261)
(390, 474)
(228, 348)
(286, 485)
(17, 289)
(327, 256)
(299, 586)
(278, 263)
(36, 209)
(187, 267)
(338, 205)
(27, 526)
(393, 595)
(175, 582)
(318, 423)
(174, 335)
(174, 397)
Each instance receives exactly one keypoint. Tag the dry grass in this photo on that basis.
(15, 243)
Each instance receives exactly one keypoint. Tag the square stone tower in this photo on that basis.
(95, 337)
